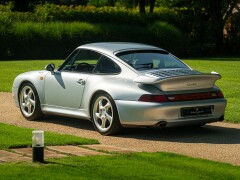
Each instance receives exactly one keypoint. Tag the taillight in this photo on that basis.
(181, 97)
(193, 96)
(220, 94)
(153, 98)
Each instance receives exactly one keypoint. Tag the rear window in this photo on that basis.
(143, 60)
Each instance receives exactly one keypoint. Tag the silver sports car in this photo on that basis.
(118, 85)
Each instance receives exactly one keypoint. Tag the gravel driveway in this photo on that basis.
(218, 141)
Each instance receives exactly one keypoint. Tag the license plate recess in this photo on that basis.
(196, 111)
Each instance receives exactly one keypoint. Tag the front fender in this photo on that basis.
(34, 77)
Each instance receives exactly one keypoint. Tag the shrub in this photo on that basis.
(5, 20)
(118, 15)
(48, 40)
(100, 3)
(57, 39)
(168, 37)
(5, 8)
(5, 26)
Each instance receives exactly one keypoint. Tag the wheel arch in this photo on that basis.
(91, 101)
(20, 87)
(116, 126)
(35, 109)
(21, 84)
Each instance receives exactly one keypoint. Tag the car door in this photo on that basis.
(65, 87)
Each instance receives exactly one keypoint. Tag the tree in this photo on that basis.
(151, 3)
(20, 5)
(142, 4)
(218, 11)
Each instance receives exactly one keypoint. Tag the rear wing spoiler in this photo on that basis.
(184, 82)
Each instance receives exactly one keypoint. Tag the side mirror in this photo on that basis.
(50, 67)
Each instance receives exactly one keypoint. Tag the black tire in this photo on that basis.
(107, 121)
(29, 102)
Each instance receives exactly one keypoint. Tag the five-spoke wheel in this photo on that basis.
(29, 102)
(104, 115)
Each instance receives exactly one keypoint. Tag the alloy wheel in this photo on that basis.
(103, 113)
(27, 101)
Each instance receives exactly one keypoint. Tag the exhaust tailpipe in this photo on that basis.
(221, 118)
(161, 124)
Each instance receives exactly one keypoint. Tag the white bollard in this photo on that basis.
(38, 146)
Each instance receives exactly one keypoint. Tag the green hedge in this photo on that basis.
(168, 36)
(182, 27)
(53, 31)
(30, 40)
(119, 15)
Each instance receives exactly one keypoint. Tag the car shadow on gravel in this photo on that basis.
(70, 122)
(206, 134)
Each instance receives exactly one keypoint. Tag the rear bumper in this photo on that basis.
(150, 114)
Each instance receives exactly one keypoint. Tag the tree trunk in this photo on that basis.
(142, 4)
(21, 5)
(111, 2)
(217, 24)
(152, 3)
(218, 31)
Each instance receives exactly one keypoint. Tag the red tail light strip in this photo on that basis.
(181, 97)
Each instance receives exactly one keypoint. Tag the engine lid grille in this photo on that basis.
(172, 73)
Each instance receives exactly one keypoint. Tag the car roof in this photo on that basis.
(113, 47)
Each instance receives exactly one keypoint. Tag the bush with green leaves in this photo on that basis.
(5, 8)
(53, 31)
(50, 40)
(119, 15)
(101, 3)
(5, 27)
(168, 36)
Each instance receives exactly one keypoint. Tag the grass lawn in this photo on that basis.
(127, 166)
(13, 136)
(10, 69)
(227, 67)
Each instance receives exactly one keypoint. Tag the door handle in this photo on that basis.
(81, 81)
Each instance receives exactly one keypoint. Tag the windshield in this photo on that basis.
(154, 59)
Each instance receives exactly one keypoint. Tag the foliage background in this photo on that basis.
(53, 29)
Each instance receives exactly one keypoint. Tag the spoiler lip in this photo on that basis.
(181, 82)
(151, 80)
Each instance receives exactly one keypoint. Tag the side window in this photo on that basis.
(107, 66)
(85, 61)
(67, 64)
